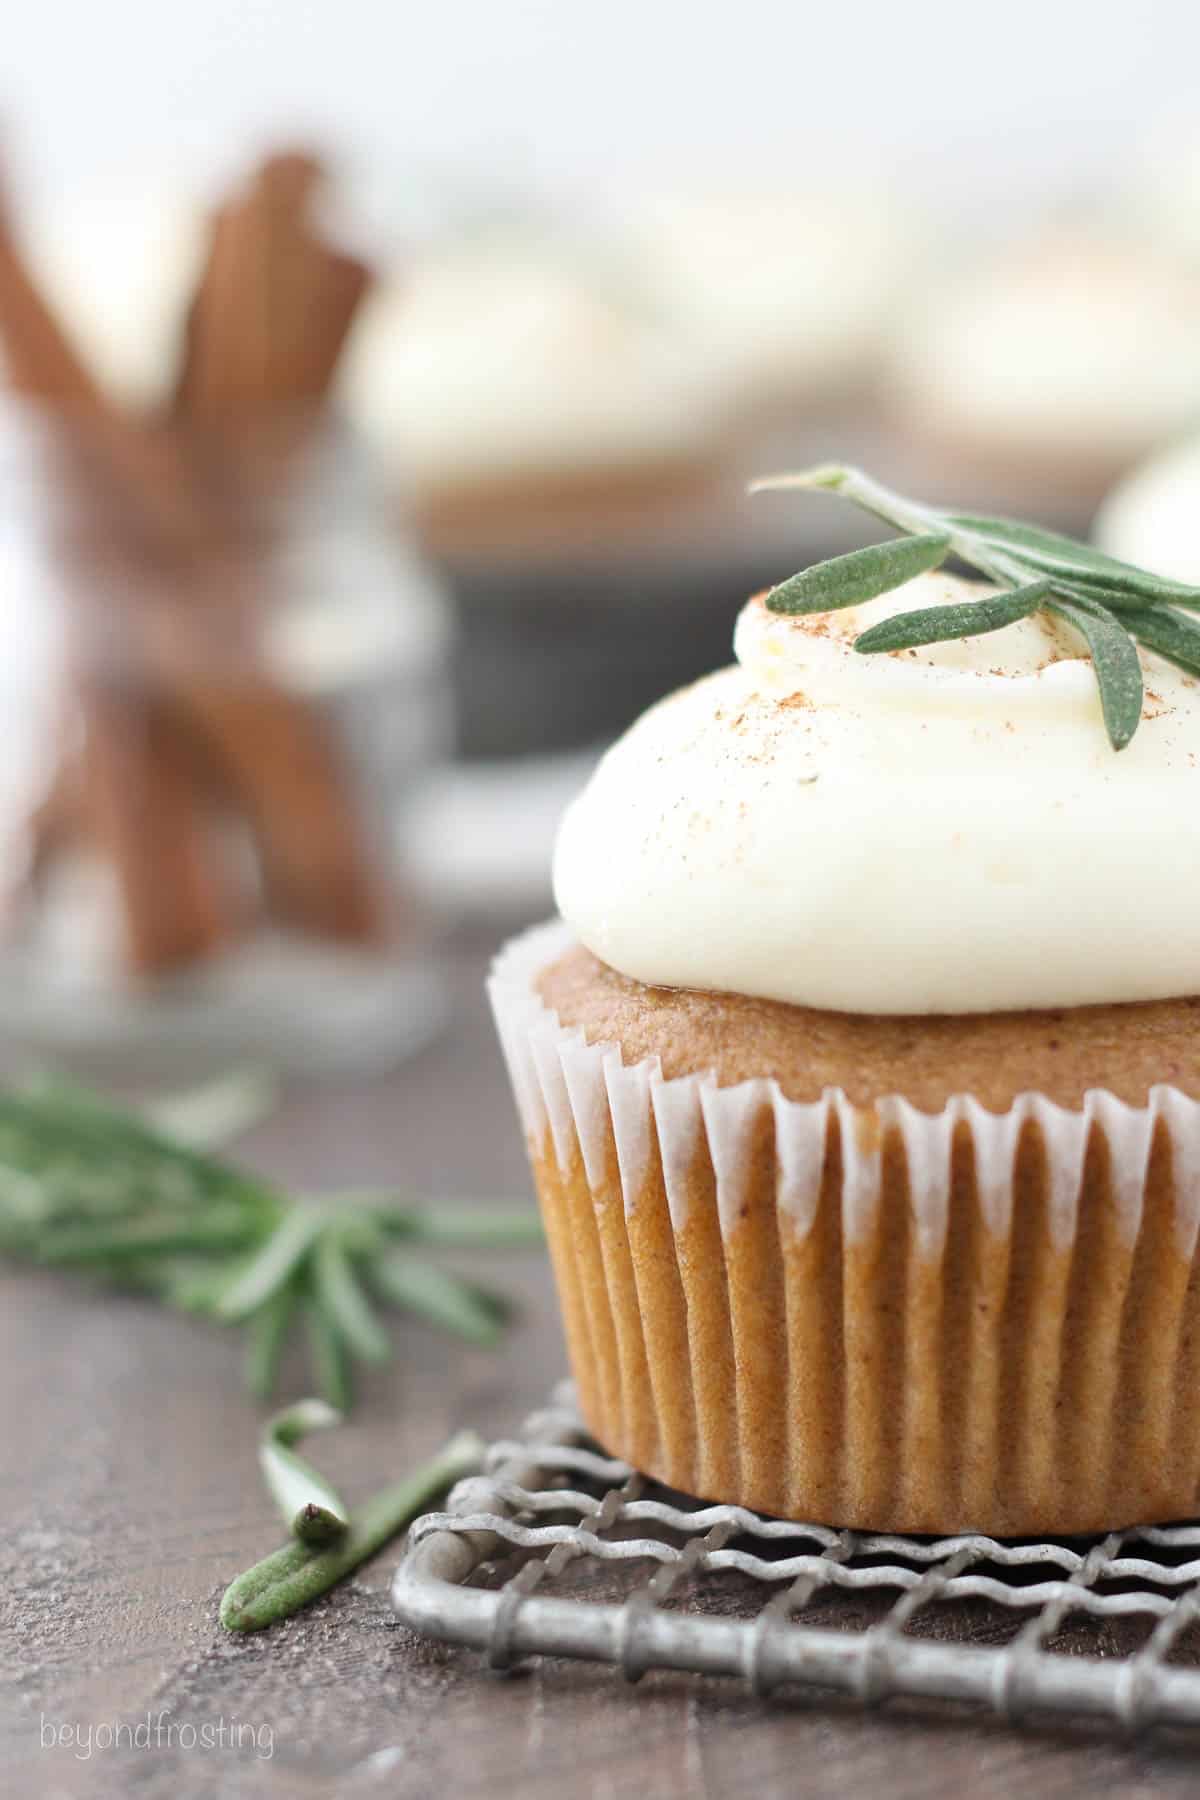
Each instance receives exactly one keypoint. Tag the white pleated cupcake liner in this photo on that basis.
(580, 1093)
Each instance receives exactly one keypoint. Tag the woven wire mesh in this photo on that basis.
(557, 1549)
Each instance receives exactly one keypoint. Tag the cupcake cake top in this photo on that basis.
(933, 818)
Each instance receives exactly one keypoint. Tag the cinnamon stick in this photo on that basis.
(281, 764)
(264, 332)
(146, 814)
(144, 802)
(273, 308)
(341, 289)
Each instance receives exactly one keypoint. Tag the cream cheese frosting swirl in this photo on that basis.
(939, 830)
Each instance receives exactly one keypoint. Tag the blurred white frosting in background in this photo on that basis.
(1152, 517)
(787, 293)
(496, 360)
(1078, 345)
(1162, 189)
(118, 261)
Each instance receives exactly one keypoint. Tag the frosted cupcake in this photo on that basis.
(791, 295)
(861, 1093)
(1052, 369)
(512, 398)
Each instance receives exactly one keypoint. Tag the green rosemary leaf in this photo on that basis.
(317, 1524)
(87, 1117)
(1171, 635)
(858, 576)
(185, 1279)
(299, 1573)
(327, 1353)
(309, 1504)
(1103, 598)
(934, 624)
(824, 475)
(1118, 669)
(266, 1336)
(84, 1182)
(338, 1290)
(276, 1262)
(436, 1296)
(220, 1228)
(1055, 554)
(66, 1154)
(500, 1305)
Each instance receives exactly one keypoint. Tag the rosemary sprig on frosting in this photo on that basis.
(1111, 604)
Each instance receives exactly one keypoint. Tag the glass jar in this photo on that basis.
(221, 678)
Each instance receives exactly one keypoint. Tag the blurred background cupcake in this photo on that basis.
(1152, 516)
(1159, 195)
(1045, 370)
(519, 401)
(789, 294)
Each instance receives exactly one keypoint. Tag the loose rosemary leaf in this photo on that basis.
(221, 1227)
(935, 624)
(310, 1505)
(252, 1285)
(98, 1158)
(1115, 659)
(85, 1184)
(327, 1354)
(858, 576)
(292, 1577)
(88, 1118)
(47, 1177)
(339, 1292)
(437, 1296)
(267, 1335)
(187, 1279)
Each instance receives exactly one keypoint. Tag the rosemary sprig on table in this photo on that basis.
(1112, 605)
(310, 1505)
(301, 1571)
(90, 1186)
(327, 1542)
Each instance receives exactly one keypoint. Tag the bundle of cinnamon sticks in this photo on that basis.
(188, 742)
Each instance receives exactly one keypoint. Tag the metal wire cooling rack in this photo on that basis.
(648, 1579)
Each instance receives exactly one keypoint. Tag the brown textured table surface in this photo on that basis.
(130, 1496)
